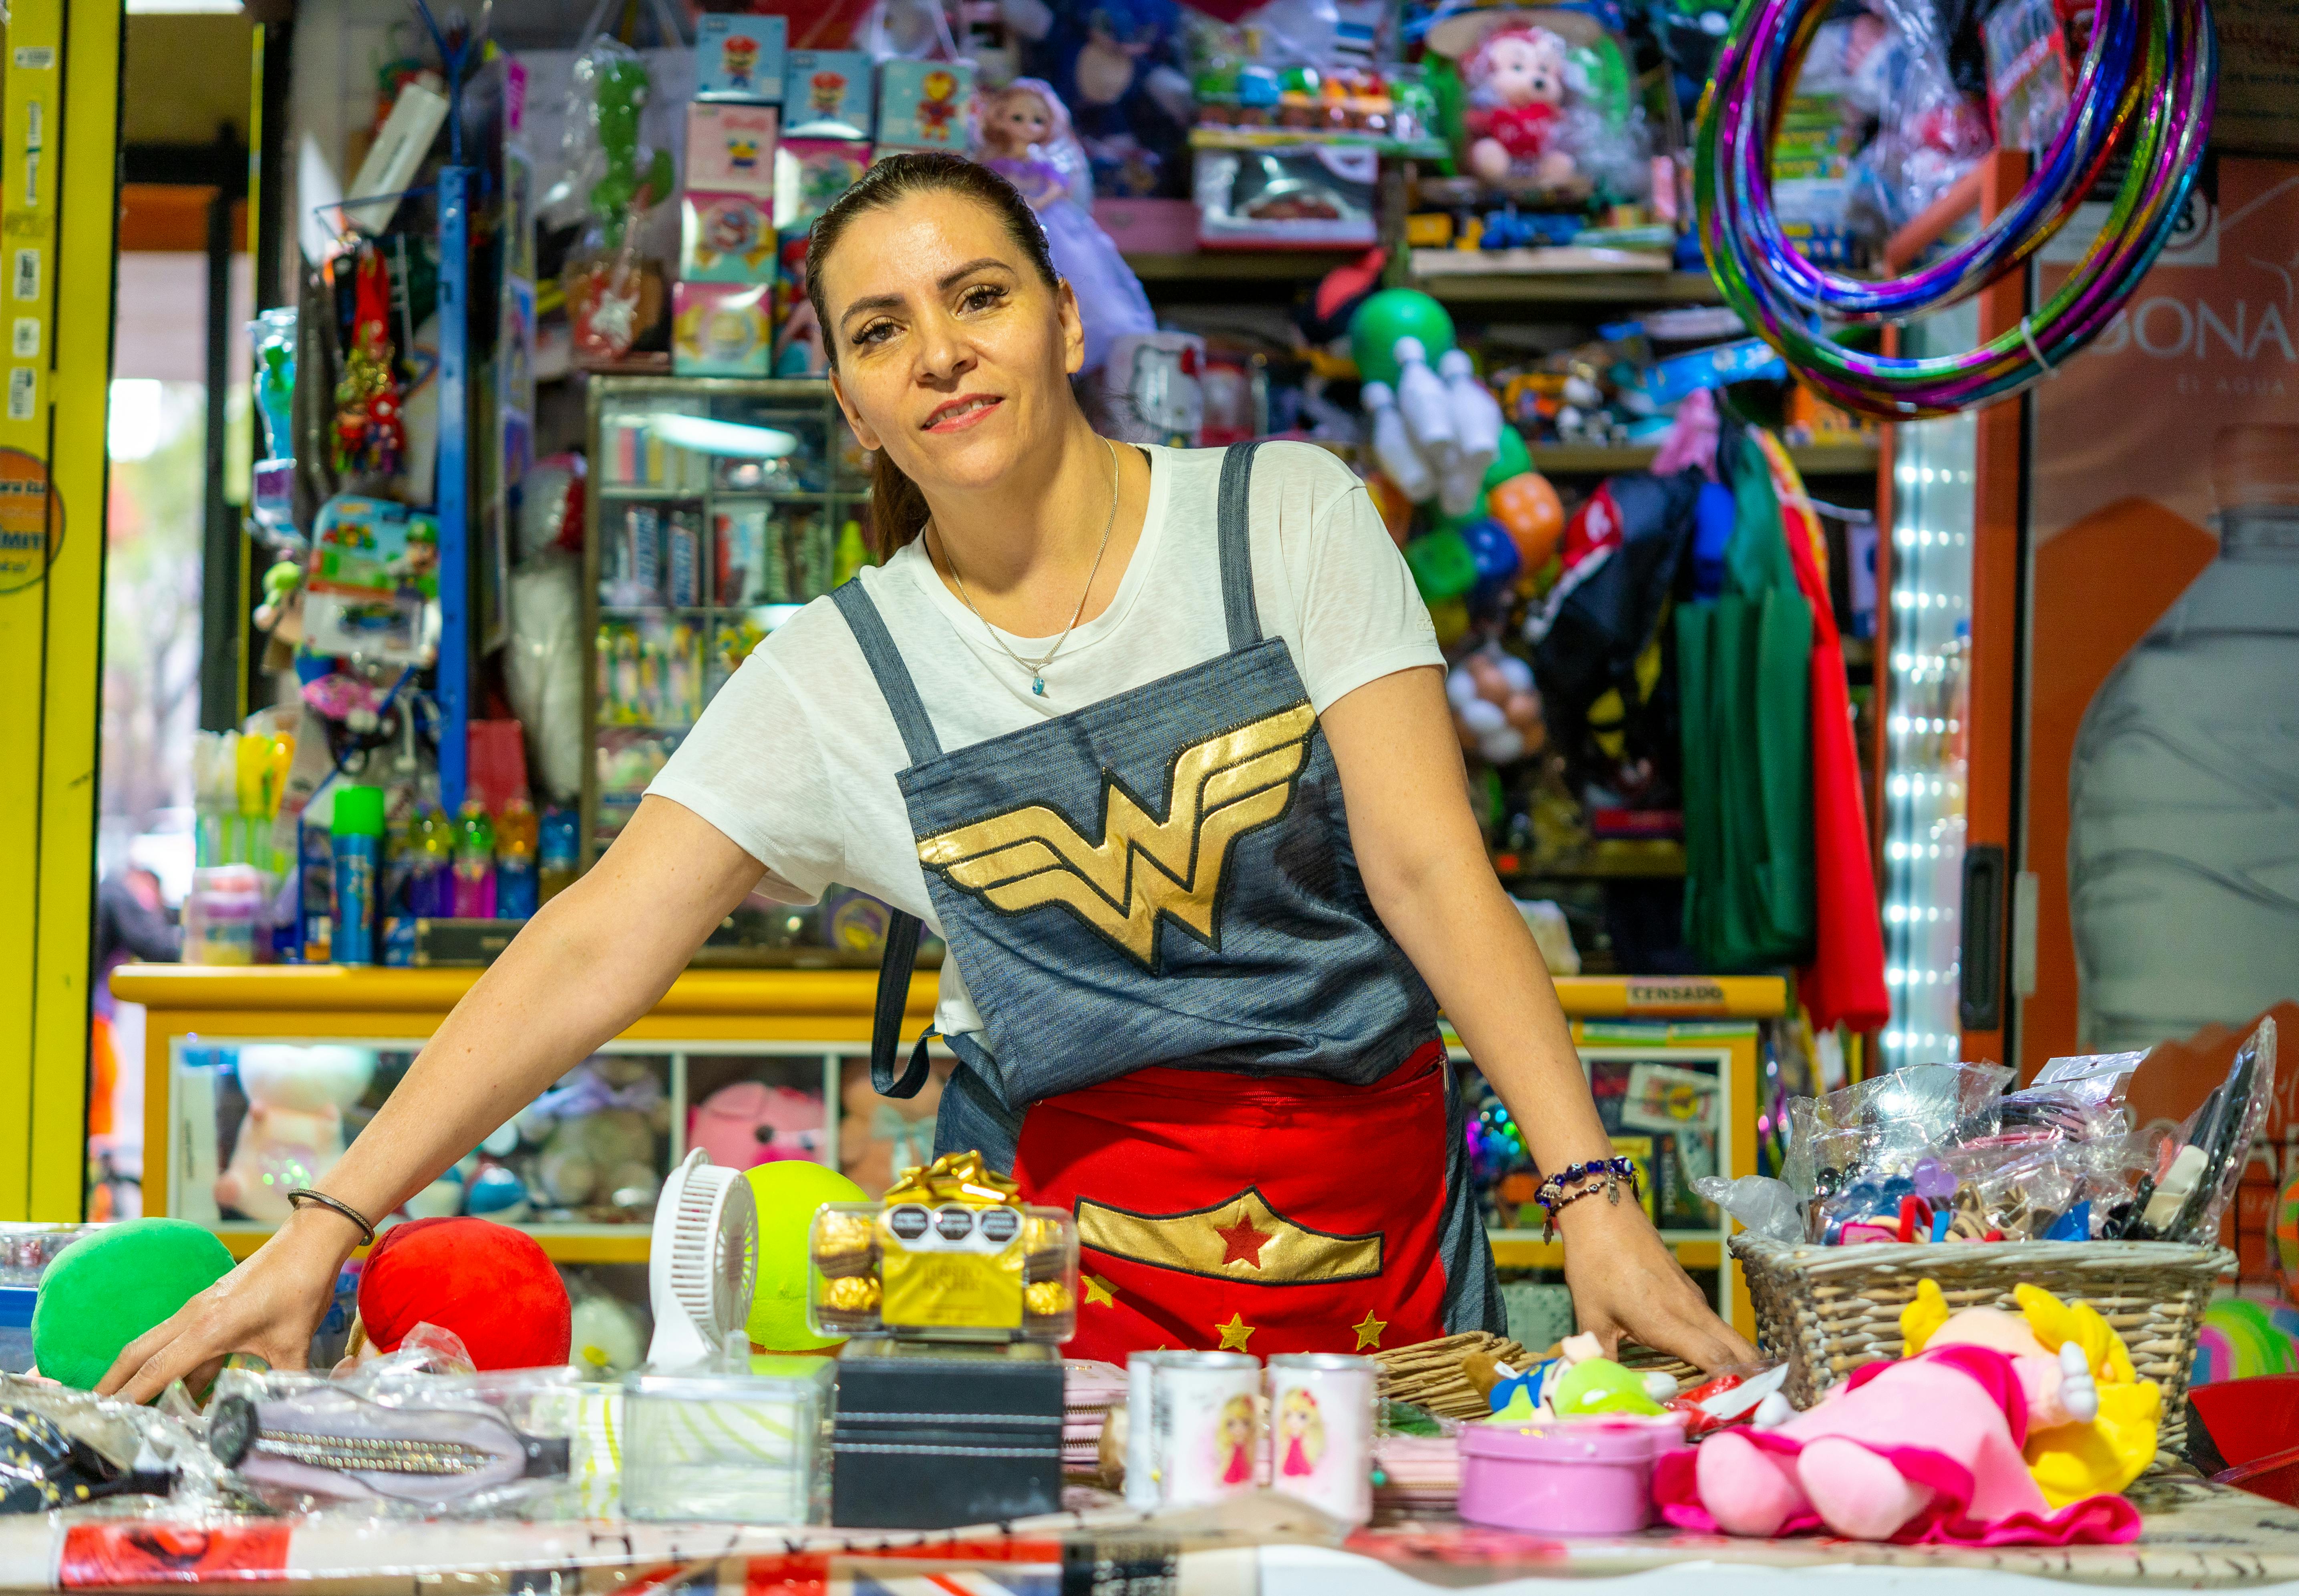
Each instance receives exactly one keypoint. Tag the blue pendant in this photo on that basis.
(1038, 685)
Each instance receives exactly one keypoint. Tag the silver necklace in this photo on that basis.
(1037, 667)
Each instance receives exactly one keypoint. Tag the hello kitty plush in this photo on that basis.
(294, 1131)
(1517, 80)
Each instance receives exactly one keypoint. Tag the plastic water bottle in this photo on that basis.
(515, 848)
(558, 852)
(430, 892)
(475, 863)
(1427, 408)
(1477, 424)
(1392, 448)
(2184, 789)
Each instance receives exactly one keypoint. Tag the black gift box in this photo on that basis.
(931, 1435)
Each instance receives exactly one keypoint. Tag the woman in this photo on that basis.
(1159, 740)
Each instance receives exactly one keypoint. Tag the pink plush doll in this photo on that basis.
(1996, 1429)
(749, 1123)
(1516, 81)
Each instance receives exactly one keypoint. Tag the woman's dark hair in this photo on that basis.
(898, 509)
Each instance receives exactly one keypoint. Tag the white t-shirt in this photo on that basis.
(795, 759)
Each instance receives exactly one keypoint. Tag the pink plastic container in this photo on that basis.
(1562, 1478)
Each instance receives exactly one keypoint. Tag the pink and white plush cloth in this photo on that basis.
(1923, 1448)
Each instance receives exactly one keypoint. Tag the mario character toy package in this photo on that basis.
(925, 104)
(739, 57)
(826, 93)
(730, 149)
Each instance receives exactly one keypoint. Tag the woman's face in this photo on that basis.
(952, 355)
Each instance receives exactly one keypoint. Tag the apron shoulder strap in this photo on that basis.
(918, 740)
(1235, 531)
(895, 967)
(885, 663)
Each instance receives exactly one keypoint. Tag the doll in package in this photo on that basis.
(1024, 135)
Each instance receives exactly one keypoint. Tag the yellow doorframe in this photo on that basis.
(59, 145)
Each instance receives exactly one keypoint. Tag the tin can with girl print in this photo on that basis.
(1194, 1428)
(1321, 1422)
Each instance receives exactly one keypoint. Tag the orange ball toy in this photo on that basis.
(1533, 514)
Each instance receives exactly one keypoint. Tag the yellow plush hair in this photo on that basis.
(1922, 1319)
(2078, 1460)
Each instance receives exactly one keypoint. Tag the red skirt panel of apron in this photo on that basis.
(1270, 1214)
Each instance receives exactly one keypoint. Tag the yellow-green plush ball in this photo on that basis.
(104, 1291)
(788, 1191)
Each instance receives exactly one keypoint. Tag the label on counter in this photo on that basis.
(1676, 995)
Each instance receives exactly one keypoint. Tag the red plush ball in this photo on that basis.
(489, 1283)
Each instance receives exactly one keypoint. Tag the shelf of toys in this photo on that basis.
(254, 1077)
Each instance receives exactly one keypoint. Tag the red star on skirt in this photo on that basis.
(1242, 1243)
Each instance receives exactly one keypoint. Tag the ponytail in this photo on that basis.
(898, 509)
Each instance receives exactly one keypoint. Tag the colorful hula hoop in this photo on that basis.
(2147, 85)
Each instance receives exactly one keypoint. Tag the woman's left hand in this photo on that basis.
(1627, 1284)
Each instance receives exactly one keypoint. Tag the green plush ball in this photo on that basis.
(103, 1292)
(1388, 316)
(787, 1193)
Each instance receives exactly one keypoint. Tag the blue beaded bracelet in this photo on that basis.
(1551, 1193)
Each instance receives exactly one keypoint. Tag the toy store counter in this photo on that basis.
(238, 1060)
(2197, 1537)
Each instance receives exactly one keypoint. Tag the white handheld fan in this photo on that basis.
(702, 1265)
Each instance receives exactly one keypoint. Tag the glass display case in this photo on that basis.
(718, 506)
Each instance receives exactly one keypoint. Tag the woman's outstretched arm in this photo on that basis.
(598, 956)
(1425, 869)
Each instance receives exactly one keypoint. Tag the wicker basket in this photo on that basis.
(1830, 1310)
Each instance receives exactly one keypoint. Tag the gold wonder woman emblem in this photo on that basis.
(1239, 1238)
(1142, 868)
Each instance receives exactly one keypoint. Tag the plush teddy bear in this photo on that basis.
(1517, 84)
(593, 1158)
(1995, 1429)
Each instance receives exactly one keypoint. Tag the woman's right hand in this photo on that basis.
(269, 1305)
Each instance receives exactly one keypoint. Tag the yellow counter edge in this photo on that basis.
(336, 989)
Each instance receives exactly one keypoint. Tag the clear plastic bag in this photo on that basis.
(1767, 1208)
(395, 1439)
(2196, 1175)
(1882, 1125)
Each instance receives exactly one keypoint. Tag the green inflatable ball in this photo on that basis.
(1442, 567)
(103, 1292)
(788, 1192)
(1514, 459)
(1388, 316)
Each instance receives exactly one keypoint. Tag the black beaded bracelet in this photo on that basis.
(305, 1194)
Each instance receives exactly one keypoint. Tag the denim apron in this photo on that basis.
(1196, 1033)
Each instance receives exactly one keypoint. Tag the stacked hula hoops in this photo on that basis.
(2146, 87)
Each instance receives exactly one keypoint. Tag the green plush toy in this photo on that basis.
(788, 1192)
(1601, 1385)
(103, 1292)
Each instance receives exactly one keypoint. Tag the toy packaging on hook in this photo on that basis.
(371, 591)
